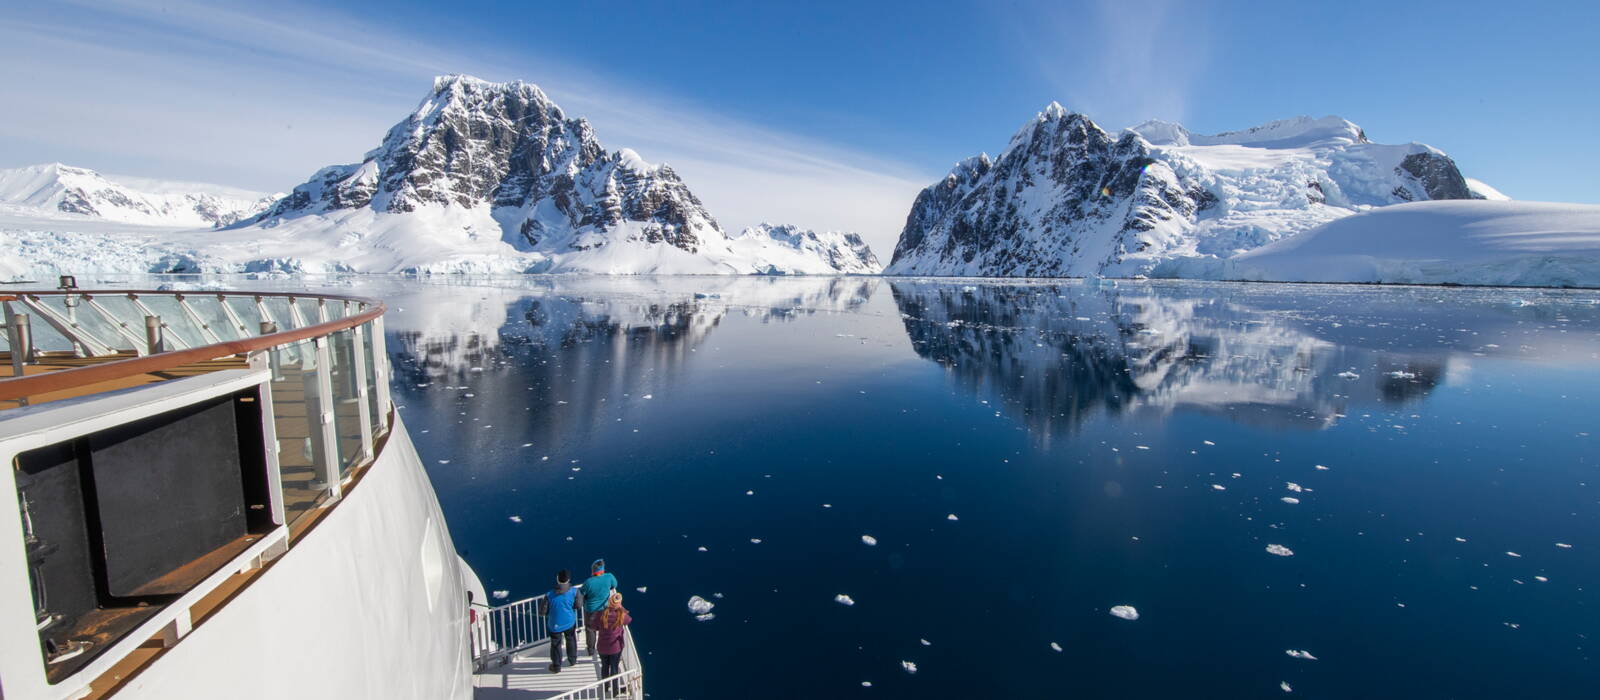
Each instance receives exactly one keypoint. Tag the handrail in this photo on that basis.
(19, 387)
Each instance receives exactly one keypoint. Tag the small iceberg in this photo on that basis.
(1300, 654)
(701, 608)
(869, 540)
(1126, 612)
(1280, 550)
(844, 600)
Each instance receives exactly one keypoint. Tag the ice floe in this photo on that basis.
(1347, 374)
(843, 599)
(1293, 487)
(951, 516)
(516, 518)
(925, 642)
(501, 595)
(908, 666)
(1291, 500)
(700, 608)
(755, 540)
(1280, 550)
(1055, 646)
(1300, 654)
(1285, 686)
(869, 540)
(1563, 545)
(1126, 612)
(642, 589)
(1514, 554)
(1218, 487)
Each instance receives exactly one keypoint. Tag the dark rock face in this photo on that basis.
(472, 143)
(1437, 174)
(1065, 198)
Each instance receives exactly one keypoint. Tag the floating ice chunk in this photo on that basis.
(843, 599)
(1218, 487)
(1513, 554)
(1141, 447)
(866, 684)
(1563, 545)
(908, 666)
(716, 595)
(706, 617)
(1280, 550)
(702, 549)
(869, 540)
(925, 642)
(700, 606)
(1461, 539)
(951, 516)
(1236, 475)
(1541, 579)
(1126, 612)
(1285, 686)
(516, 518)
(1291, 500)
(1402, 374)
(1347, 374)
(501, 595)
(444, 461)
(827, 505)
(1300, 654)
(642, 589)
(1210, 443)
(755, 540)
(649, 396)
(1055, 646)
(1321, 468)
(527, 444)
(1293, 486)
(750, 493)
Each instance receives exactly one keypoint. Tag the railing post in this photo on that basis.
(268, 328)
(152, 333)
(380, 365)
(325, 417)
(358, 357)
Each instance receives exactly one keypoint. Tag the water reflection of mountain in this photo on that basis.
(556, 358)
(1055, 355)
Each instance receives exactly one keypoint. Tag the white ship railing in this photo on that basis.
(501, 632)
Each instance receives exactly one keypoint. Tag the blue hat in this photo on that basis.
(598, 565)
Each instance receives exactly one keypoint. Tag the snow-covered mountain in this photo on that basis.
(496, 177)
(790, 250)
(1066, 198)
(56, 191)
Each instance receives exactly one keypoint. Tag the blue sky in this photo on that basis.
(824, 114)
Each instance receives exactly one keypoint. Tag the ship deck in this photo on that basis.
(527, 676)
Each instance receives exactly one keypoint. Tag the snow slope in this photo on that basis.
(789, 250)
(56, 191)
(1455, 242)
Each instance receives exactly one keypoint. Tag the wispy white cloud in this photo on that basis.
(1119, 61)
(257, 97)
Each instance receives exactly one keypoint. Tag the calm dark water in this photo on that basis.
(1098, 446)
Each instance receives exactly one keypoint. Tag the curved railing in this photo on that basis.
(161, 329)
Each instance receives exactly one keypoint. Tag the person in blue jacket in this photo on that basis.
(560, 607)
(596, 593)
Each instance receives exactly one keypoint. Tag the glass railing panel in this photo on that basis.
(86, 320)
(209, 308)
(297, 406)
(175, 320)
(44, 336)
(245, 309)
(308, 311)
(278, 308)
(346, 398)
(378, 417)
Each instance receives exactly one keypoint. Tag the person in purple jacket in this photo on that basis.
(609, 625)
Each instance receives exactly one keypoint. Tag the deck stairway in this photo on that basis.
(511, 659)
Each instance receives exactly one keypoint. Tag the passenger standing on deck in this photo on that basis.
(560, 608)
(608, 626)
(596, 593)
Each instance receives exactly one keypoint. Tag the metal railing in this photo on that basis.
(502, 632)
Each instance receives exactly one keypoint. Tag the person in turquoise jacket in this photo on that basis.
(560, 607)
(596, 594)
